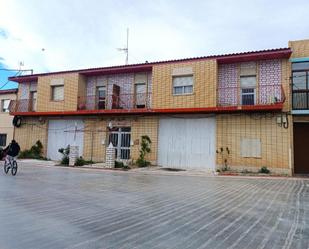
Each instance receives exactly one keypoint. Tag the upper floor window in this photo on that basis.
(300, 85)
(182, 84)
(57, 89)
(33, 96)
(5, 105)
(101, 97)
(57, 93)
(248, 83)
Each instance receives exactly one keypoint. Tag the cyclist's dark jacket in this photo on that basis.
(13, 149)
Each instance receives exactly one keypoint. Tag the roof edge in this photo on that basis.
(225, 58)
(7, 91)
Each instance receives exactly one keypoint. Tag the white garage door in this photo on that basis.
(187, 143)
(61, 134)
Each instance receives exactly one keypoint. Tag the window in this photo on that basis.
(250, 147)
(183, 84)
(247, 83)
(300, 85)
(57, 93)
(33, 96)
(3, 140)
(101, 97)
(5, 105)
(140, 95)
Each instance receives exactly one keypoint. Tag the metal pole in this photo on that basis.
(127, 50)
(91, 156)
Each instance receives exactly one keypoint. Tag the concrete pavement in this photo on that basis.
(54, 207)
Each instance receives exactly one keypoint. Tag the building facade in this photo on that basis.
(6, 126)
(210, 112)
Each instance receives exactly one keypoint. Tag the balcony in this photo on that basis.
(22, 105)
(249, 98)
(115, 102)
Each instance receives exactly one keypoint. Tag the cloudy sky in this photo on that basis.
(71, 34)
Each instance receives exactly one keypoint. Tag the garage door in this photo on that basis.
(61, 134)
(301, 148)
(187, 143)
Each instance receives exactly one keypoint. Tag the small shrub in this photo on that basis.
(80, 161)
(119, 164)
(142, 162)
(264, 170)
(65, 155)
(35, 151)
(225, 168)
(145, 148)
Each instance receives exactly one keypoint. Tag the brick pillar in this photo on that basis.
(73, 154)
(110, 156)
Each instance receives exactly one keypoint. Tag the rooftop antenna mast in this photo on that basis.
(126, 49)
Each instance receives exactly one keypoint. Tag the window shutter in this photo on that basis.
(248, 82)
(183, 81)
(248, 68)
(140, 88)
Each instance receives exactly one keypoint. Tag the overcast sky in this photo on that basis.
(81, 34)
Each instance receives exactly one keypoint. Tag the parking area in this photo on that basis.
(54, 207)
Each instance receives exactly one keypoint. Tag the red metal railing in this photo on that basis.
(22, 105)
(262, 95)
(123, 101)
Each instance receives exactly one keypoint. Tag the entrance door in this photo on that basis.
(301, 148)
(121, 139)
(187, 143)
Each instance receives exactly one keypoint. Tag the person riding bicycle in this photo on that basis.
(12, 149)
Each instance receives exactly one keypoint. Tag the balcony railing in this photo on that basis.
(262, 95)
(22, 105)
(110, 102)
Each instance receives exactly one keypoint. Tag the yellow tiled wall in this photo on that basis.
(145, 126)
(96, 132)
(30, 132)
(44, 102)
(285, 81)
(275, 141)
(204, 86)
(300, 48)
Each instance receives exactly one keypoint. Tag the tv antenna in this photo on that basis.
(126, 49)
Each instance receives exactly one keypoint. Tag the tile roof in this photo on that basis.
(147, 66)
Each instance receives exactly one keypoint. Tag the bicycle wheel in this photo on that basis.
(6, 167)
(14, 168)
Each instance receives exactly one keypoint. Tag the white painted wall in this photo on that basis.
(61, 134)
(187, 143)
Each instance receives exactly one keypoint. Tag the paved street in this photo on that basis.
(53, 207)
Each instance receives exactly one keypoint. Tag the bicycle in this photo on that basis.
(10, 163)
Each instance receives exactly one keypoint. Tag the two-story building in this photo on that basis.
(6, 126)
(200, 113)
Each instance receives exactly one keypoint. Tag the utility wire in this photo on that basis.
(9, 80)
